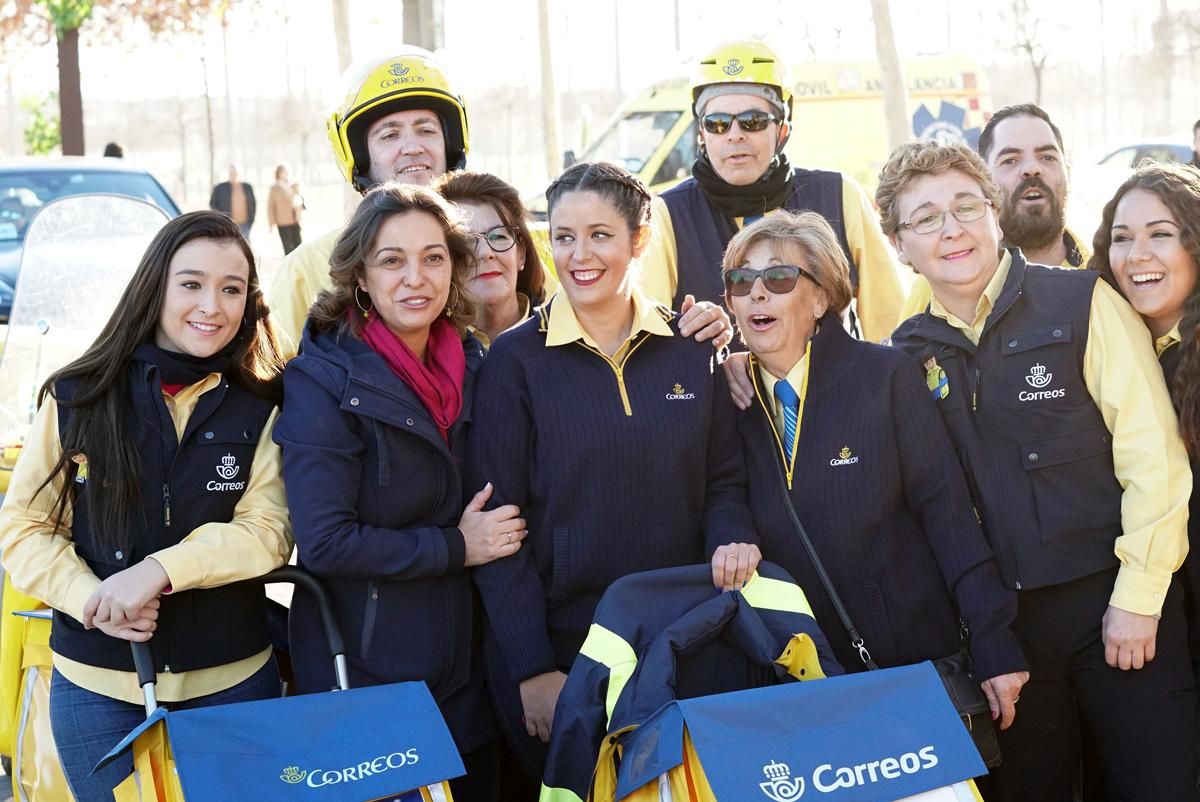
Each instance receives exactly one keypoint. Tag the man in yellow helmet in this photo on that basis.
(400, 120)
(742, 101)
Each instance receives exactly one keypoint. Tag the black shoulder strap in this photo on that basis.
(855, 639)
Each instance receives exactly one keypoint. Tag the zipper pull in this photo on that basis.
(975, 390)
(166, 504)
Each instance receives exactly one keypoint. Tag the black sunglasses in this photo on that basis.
(718, 122)
(778, 279)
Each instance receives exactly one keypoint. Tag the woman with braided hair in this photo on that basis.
(615, 436)
(1148, 247)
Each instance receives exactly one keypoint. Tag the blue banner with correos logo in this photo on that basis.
(877, 735)
(359, 744)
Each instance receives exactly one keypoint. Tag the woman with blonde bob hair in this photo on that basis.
(373, 440)
(847, 433)
(1060, 416)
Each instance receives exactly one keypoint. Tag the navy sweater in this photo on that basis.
(883, 499)
(605, 494)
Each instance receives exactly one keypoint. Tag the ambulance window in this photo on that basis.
(632, 140)
(678, 164)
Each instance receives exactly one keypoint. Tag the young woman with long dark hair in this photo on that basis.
(149, 485)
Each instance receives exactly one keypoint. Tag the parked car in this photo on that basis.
(1131, 156)
(26, 185)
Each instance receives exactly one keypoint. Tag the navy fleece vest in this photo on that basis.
(701, 232)
(184, 484)
(1035, 448)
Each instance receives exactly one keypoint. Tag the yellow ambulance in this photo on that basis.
(837, 121)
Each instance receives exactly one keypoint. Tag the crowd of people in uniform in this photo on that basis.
(468, 448)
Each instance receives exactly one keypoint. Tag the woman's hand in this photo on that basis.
(737, 374)
(1129, 638)
(539, 697)
(120, 599)
(733, 564)
(705, 320)
(1002, 693)
(140, 629)
(493, 534)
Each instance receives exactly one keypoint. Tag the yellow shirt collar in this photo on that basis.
(983, 308)
(1167, 340)
(564, 327)
(1070, 238)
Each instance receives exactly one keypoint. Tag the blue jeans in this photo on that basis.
(87, 725)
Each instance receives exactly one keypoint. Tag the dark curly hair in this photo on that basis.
(1178, 187)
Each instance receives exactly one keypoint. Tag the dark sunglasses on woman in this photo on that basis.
(718, 122)
(778, 279)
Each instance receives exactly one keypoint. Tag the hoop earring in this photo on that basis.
(452, 307)
(366, 310)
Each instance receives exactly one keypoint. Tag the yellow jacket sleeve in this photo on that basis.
(660, 275)
(42, 563)
(302, 275)
(879, 292)
(1124, 379)
(257, 540)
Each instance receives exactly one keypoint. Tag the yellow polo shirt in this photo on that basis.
(44, 564)
(879, 290)
(1126, 383)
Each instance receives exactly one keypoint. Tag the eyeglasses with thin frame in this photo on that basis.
(777, 279)
(499, 238)
(965, 210)
(751, 121)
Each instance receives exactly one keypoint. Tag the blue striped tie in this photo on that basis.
(791, 407)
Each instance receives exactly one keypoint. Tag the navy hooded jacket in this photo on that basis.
(375, 494)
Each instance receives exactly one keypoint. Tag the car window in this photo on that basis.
(1157, 153)
(1122, 158)
(23, 193)
(633, 139)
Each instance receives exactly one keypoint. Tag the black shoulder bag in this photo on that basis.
(955, 670)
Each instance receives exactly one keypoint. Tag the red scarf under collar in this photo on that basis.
(438, 381)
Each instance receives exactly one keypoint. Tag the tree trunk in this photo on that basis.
(12, 145)
(420, 25)
(895, 94)
(70, 97)
(341, 32)
(553, 144)
(208, 124)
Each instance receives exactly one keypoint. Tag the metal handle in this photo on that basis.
(333, 633)
(143, 660)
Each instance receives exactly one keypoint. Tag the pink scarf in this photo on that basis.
(437, 381)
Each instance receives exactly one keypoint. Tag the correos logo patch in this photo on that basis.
(321, 777)
(1040, 380)
(826, 778)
